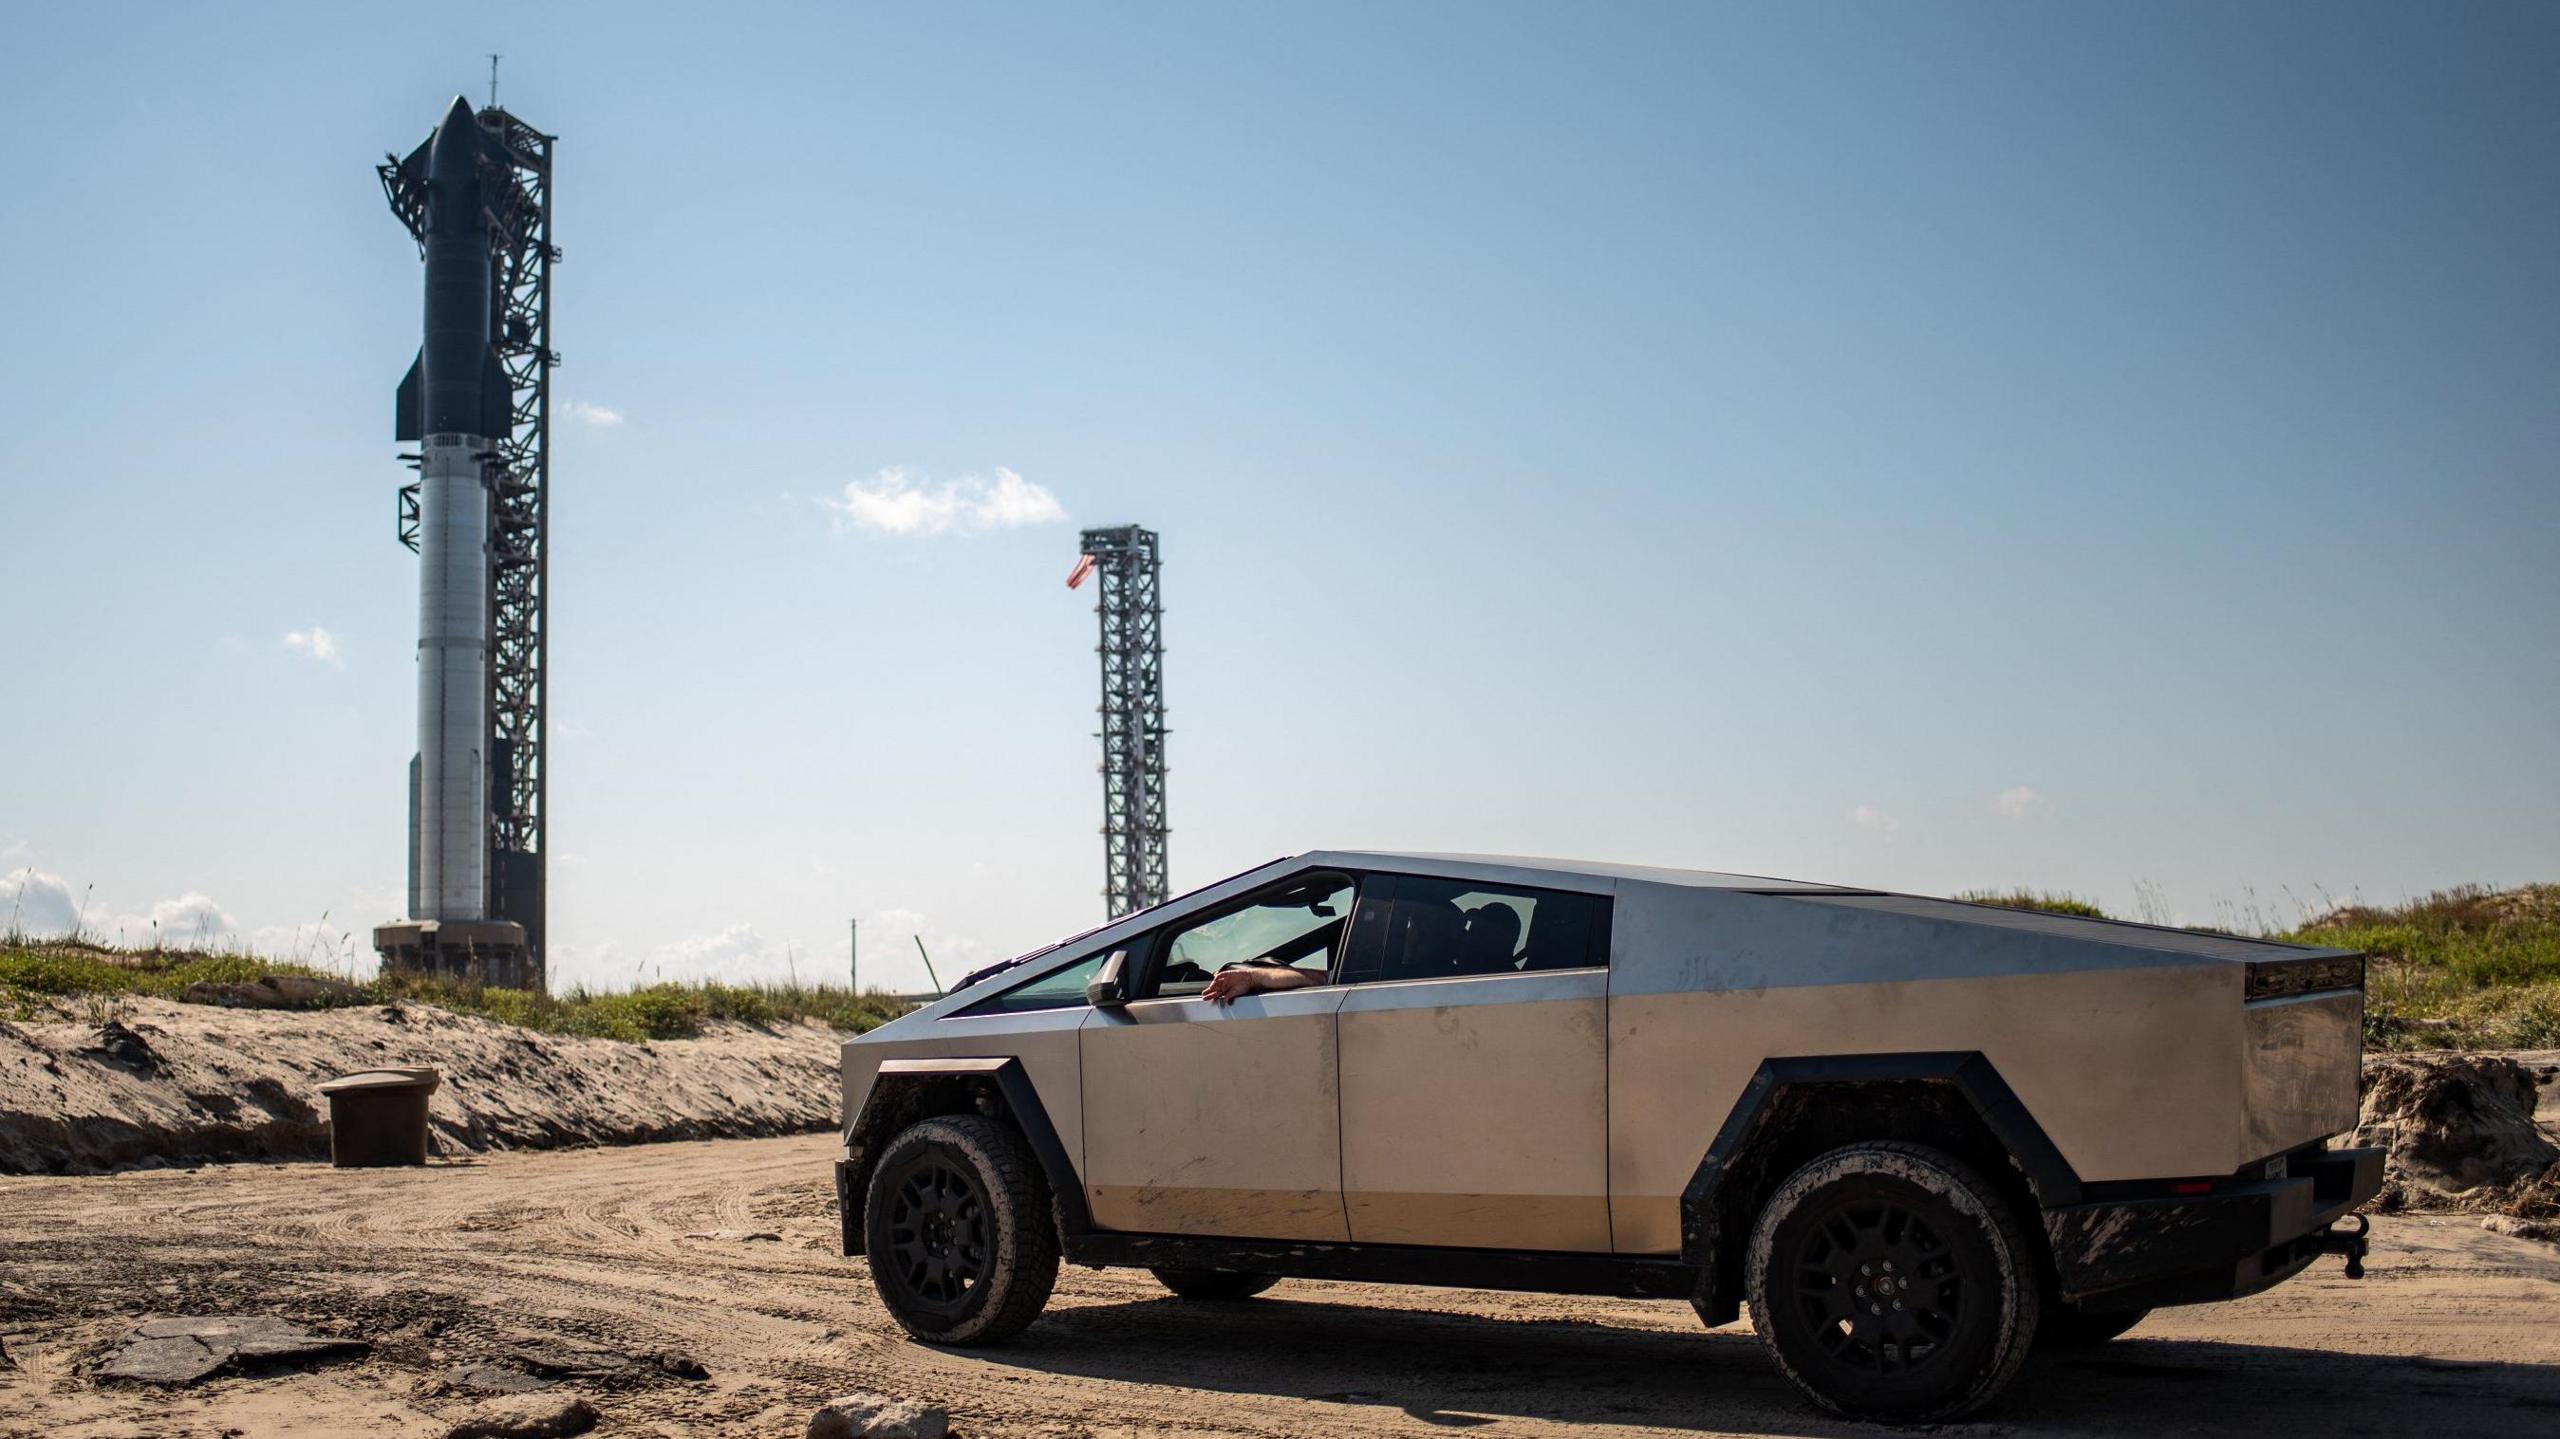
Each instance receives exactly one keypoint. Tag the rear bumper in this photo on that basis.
(2188, 1249)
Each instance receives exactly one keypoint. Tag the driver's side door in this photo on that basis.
(1222, 1119)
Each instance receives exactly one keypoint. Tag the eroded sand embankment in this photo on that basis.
(171, 1083)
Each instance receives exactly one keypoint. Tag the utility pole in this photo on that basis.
(853, 952)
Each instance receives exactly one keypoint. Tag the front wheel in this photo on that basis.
(1213, 1283)
(957, 1227)
(1891, 1282)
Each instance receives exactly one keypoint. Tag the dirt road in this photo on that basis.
(653, 1248)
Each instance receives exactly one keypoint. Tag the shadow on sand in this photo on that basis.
(1460, 1371)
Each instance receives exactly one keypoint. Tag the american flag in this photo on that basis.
(1084, 567)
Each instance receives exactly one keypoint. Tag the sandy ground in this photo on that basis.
(647, 1249)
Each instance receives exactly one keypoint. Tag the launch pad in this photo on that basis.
(487, 951)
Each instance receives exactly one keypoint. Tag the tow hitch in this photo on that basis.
(2353, 1245)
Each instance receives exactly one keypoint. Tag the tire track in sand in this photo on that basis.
(2450, 1335)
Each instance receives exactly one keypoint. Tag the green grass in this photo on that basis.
(2034, 899)
(61, 971)
(659, 1011)
(35, 978)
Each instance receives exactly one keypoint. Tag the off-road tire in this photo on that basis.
(1960, 1263)
(960, 1232)
(1220, 1284)
(2062, 1328)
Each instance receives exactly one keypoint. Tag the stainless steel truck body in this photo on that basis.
(1944, 1126)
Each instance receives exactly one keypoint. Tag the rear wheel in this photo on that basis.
(958, 1231)
(1213, 1283)
(1891, 1282)
(2063, 1327)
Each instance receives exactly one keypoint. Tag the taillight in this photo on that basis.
(2319, 974)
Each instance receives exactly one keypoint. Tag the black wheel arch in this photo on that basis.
(908, 1090)
(1794, 1109)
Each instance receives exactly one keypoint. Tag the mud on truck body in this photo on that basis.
(1916, 1138)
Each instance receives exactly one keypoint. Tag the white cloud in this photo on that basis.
(2018, 803)
(595, 416)
(898, 501)
(1873, 820)
(738, 954)
(190, 921)
(741, 953)
(890, 961)
(190, 918)
(45, 906)
(35, 903)
(734, 953)
(601, 965)
(315, 644)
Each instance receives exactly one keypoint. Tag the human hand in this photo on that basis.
(1227, 985)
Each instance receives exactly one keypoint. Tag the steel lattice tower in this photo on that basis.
(519, 471)
(1132, 648)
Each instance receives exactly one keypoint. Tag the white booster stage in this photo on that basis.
(449, 836)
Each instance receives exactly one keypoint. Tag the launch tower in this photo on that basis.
(477, 402)
(1133, 731)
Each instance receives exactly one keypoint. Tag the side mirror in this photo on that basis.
(1107, 990)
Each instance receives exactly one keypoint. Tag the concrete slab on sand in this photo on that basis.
(185, 1350)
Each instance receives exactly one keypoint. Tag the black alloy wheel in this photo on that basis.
(940, 1235)
(960, 1230)
(1892, 1282)
(1879, 1287)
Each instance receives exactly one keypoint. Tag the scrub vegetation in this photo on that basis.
(2463, 968)
(89, 979)
(2053, 903)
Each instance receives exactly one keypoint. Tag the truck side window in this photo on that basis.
(1446, 929)
(1300, 924)
(1061, 989)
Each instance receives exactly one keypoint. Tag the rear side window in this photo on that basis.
(1062, 989)
(1452, 928)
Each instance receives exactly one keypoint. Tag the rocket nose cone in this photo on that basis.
(455, 144)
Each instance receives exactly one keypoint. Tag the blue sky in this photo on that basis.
(1926, 447)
